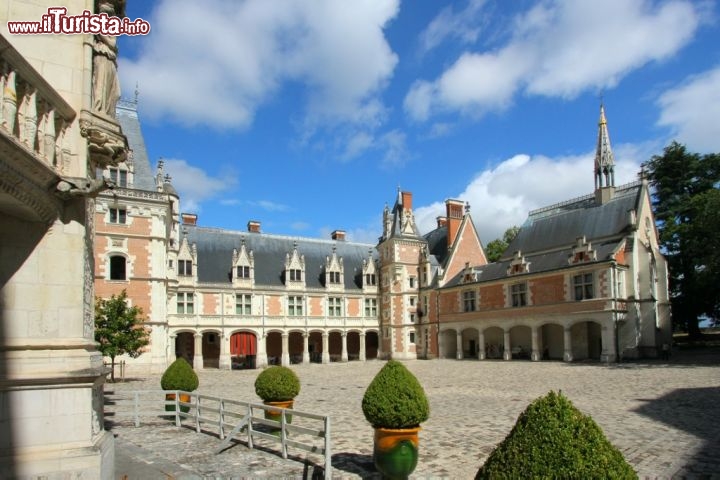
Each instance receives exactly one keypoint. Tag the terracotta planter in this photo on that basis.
(184, 397)
(396, 451)
(276, 413)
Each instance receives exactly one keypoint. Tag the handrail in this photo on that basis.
(219, 414)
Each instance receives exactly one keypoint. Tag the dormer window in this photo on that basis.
(582, 252)
(295, 275)
(294, 268)
(243, 262)
(185, 267)
(242, 271)
(518, 265)
(370, 279)
(118, 176)
(334, 277)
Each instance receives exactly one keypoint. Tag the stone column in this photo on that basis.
(362, 347)
(285, 356)
(608, 354)
(344, 353)
(326, 347)
(171, 354)
(568, 356)
(458, 348)
(535, 354)
(225, 357)
(481, 345)
(306, 348)
(507, 351)
(197, 353)
(261, 357)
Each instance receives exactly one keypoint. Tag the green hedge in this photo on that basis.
(553, 439)
(395, 398)
(277, 384)
(179, 376)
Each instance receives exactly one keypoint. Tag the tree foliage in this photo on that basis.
(497, 247)
(119, 329)
(553, 439)
(686, 202)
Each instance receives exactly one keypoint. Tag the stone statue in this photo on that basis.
(106, 86)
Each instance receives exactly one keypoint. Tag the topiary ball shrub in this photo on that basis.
(395, 398)
(277, 384)
(553, 439)
(179, 376)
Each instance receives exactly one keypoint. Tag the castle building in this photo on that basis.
(583, 279)
(57, 127)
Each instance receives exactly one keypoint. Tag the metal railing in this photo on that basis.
(230, 419)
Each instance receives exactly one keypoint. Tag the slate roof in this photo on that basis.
(126, 113)
(215, 247)
(560, 225)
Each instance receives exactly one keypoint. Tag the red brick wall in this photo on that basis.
(547, 290)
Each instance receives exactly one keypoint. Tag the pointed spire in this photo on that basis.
(604, 158)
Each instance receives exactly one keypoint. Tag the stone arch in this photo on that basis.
(470, 345)
(335, 345)
(353, 345)
(448, 343)
(494, 342)
(273, 347)
(185, 345)
(521, 342)
(586, 338)
(315, 346)
(211, 348)
(372, 344)
(243, 350)
(551, 341)
(296, 345)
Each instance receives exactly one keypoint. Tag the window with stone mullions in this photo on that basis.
(519, 294)
(334, 307)
(118, 215)
(584, 286)
(371, 307)
(469, 301)
(334, 277)
(118, 177)
(185, 303)
(295, 275)
(242, 271)
(243, 304)
(185, 267)
(370, 279)
(295, 306)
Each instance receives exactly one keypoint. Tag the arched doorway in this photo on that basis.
(372, 343)
(552, 342)
(211, 350)
(494, 342)
(243, 350)
(295, 347)
(185, 346)
(315, 347)
(469, 343)
(335, 346)
(448, 344)
(586, 340)
(353, 345)
(273, 347)
(521, 342)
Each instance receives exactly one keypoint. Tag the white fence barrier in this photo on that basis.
(231, 419)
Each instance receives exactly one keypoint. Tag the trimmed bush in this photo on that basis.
(553, 439)
(395, 398)
(277, 384)
(179, 376)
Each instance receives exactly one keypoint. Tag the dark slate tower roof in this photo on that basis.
(215, 249)
(126, 113)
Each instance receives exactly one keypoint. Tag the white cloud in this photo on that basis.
(194, 185)
(502, 196)
(559, 48)
(692, 110)
(448, 23)
(269, 206)
(216, 62)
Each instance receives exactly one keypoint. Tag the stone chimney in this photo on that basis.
(407, 200)
(338, 235)
(253, 226)
(189, 218)
(441, 222)
(454, 218)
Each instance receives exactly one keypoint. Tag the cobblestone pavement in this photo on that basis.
(662, 416)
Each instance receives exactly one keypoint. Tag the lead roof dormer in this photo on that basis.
(334, 271)
(369, 274)
(243, 266)
(294, 269)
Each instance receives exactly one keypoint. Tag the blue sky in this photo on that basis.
(307, 115)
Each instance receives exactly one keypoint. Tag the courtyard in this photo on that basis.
(661, 415)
